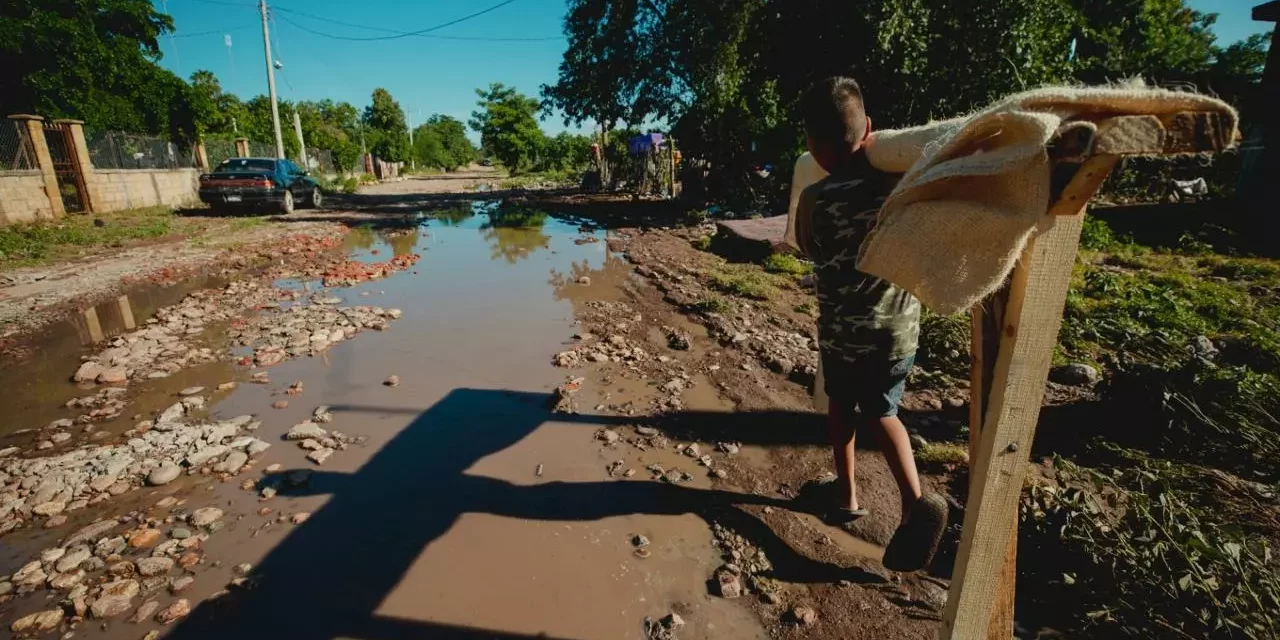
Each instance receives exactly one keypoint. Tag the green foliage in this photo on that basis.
(806, 308)
(350, 185)
(942, 453)
(701, 243)
(507, 126)
(1096, 235)
(385, 126)
(712, 303)
(944, 344)
(442, 142)
(565, 153)
(22, 244)
(1136, 555)
(787, 263)
(517, 216)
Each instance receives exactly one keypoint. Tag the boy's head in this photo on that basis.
(835, 122)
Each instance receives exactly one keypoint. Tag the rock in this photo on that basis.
(166, 502)
(917, 441)
(640, 541)
(52, 555)
(59, 437)
(115, 599)
(609, 436)
(772, 598)
(193, 403)
(205, 455)
(304, 430)
(180, 533)
(300, 517)
(64, 581)
(110, 546)
(72, 559)
(280, 404)
(149, 607)
(206, 516)
(189, 559)
(41, 622)
(243, 569)
(6, 588)
(170, 415)
(322, 415)
(191, 391)
(257, 446)
(729, 583)
(53, 507)
(235, 462)
(174, 612)
(647, 431)
(181, 584)
(150, 567)
(91, 532)
(88, 372)
(145, 538)
(113, 375)
(803, 615)
(1203, 347)
(320, 455)
(392, 381)
(44, 444)
(1076, 375)
(227, 386)
(260, 377)
(164, 474)
(123, 569)
(29, 575)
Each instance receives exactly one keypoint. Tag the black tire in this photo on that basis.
(286, 205)
(317, 198)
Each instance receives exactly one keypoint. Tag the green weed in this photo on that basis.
(702, 243)
(712, 303)
(33, 243)
(788, 264)
(807, 308)
(744, 282)
(940, 453)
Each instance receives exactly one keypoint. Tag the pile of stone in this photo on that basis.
(743, 568)
(157, 452)
(158, 349)
(101, 573)
(349, 272)
(306, 330)
(106, 404)
(319, 442)
(784, 352)
(615, 349)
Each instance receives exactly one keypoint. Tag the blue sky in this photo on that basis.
(427, 75)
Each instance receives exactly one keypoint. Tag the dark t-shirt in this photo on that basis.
(861, 316)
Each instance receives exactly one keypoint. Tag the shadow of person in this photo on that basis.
(328, 576)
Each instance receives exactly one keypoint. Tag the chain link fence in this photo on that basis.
(115, 150)
(16, 152)
(320, 161)
(218, 150)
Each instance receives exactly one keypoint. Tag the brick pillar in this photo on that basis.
(91, 198)
(242, 147)
(202, 158)
(34, 127)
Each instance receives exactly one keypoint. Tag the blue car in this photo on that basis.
(259, 183)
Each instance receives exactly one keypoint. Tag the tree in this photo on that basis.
(566, 152)
(94, 60)
(507, 126)
(442, 142)
(386, 127)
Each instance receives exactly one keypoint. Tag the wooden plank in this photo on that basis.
(1093, 172)
(1033, 315)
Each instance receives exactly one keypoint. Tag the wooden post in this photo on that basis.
(34, 129)
(202, 157)
(242, 147)
(83, 164)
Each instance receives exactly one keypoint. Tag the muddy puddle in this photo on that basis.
(469, 510)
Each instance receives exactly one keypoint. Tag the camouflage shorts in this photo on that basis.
(872, 385)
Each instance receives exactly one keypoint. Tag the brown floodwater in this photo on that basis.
(439, 526)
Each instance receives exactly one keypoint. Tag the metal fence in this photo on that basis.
(16, 152)
(218, 150)
(115, 150)
(320, 161)
(261, 149)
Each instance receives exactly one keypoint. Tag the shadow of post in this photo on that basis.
(328, 576)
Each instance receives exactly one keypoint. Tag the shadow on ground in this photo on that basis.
(327, 578)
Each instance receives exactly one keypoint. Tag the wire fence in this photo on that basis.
(218, 150)
(261, 149)
(115, 150)
(16, 152)
(320, 161)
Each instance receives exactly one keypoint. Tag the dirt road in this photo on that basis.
(412, 463)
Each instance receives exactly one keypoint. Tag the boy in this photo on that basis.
(868, 328)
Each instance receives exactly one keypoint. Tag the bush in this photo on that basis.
(746, 283)
(350, 185)
(702, 243)
(944, 344)
(1135, 557)
(711, 303)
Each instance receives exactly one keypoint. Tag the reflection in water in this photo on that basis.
(512, 244)
(361, 237)
(402, 242)
(452, 217)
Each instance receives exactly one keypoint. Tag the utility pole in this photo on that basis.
(271, 80)
(164, 6)
(302, 146)
(413, 162)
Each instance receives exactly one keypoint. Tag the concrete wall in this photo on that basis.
(22, 197)
(118, 189)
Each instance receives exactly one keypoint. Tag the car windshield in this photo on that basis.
(245, 164)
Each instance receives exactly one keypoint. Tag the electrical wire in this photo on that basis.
(402, 33)
(405, 34)
(227, 4)
(211, 32)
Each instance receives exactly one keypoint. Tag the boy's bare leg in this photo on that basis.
(840, 430)
(896, 445)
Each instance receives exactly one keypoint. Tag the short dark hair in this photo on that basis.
(833, 110)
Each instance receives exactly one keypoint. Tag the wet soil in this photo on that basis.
(471, 508)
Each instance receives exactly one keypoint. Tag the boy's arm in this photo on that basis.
(804, 221)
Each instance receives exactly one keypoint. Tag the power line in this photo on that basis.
(223, 3)
(400, 34)
(210, 32)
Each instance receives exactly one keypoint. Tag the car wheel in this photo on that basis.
(317, 198)
(286, 205)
